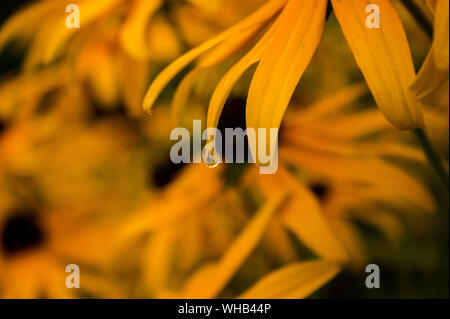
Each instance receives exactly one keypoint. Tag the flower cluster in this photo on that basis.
(86, 177)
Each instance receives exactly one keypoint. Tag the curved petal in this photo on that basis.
(264, 14)
(294, 281)
(133, 34)
(211, 279)
(289, 52)
(384, 57)
(222, 52)
(304, 217)
(429, 78)
(434, 70)
(227, 83)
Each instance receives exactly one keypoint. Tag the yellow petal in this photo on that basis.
(211, 279)
(441, 35)
(132, 88)
(350, 125)
(431, 5)
(259, 17)
(294, 281)
(328, 106)
(304, 217)
(351, 239)
(384, 57)
(429, 78)
(227, 83)
(222, 52)
(208, 5)
(434, 70)
(365, 171)
(133, 34)
(52, 36)
(157, 258)
(163, 41)
(289, 52)
(23, 23)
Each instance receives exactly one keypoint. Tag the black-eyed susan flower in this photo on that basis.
(337, 171)
(193, 218)
(211, 278)
(64, 191)
(286, 35)
(178, 223)
(103, 194)
(336, 176)
(336, 152)
(37, 245)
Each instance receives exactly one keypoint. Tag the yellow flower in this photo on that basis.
(338, 154)
(192, 220)
(180, 223)
(287, 33)
(211, 278)
(109, 54)
(64, 189)
(117, 43)
(44, 24)
(341, 174)
(36, 246)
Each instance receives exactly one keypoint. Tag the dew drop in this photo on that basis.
(210, 157)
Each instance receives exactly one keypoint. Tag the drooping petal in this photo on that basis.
(289, 52)
(302, 214)
(304, 217)
(365, 171)
(429, 78)
(294, 281)
(351, 125)
(328, 106)
(227, 83)
(264, 14)
(221, 53)
(434, 70)
(211, 279)
(384, 57)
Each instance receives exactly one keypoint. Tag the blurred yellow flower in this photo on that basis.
(337, 152)
(36, 247)
(86, 180)
(112, 53)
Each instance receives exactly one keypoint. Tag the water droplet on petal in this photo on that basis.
(210, 157)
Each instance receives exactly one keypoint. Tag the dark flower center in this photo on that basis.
(322, 191)
(21, 232)
(165, 172)
(2, 127)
